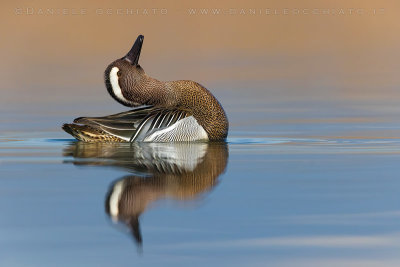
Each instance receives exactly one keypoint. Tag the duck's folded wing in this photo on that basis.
(156, 121)
(129, 126)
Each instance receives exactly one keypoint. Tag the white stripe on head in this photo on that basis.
(115, 86)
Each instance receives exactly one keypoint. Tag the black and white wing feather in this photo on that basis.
(130, 126)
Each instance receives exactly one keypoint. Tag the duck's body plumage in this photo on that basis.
(143, 124)
(173, 111)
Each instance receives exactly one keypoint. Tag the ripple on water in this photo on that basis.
(269, 140)
(331, 143)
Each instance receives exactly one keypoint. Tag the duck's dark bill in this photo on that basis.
(134, 54)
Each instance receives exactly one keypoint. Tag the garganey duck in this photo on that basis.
(173, 111)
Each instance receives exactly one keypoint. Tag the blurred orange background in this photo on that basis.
(61, 58)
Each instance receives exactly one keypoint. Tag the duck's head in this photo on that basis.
(125, 79)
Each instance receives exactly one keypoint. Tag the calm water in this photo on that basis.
(301, 192)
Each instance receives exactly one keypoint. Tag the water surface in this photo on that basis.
(256, 200)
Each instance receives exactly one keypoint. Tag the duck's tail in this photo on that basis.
(112, 128)
(87, 133)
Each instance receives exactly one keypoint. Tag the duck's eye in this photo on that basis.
(119, 74)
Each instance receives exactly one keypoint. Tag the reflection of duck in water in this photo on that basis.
(162, 171)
